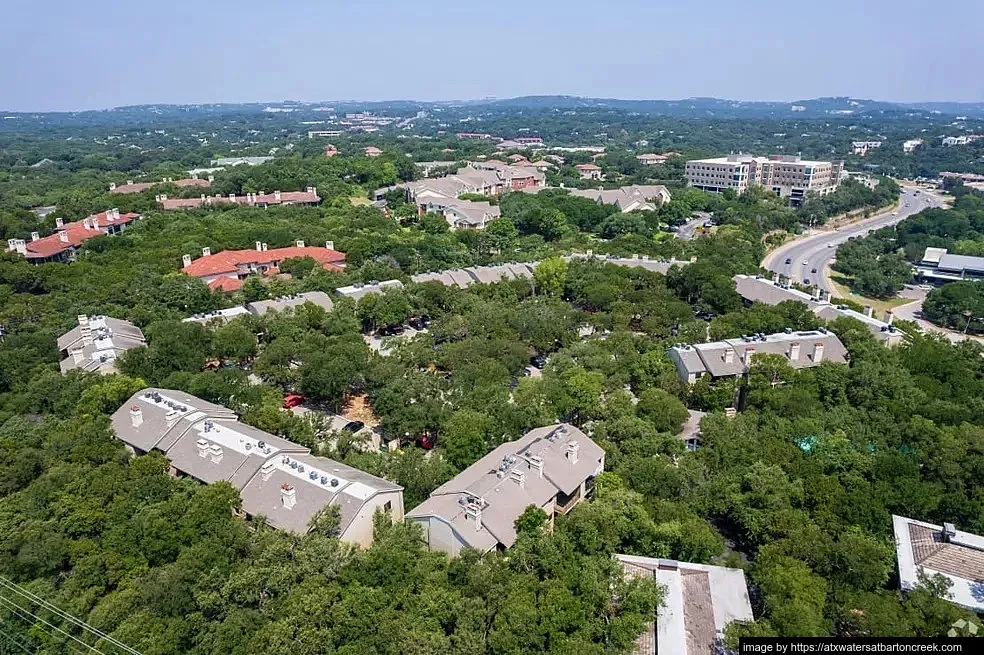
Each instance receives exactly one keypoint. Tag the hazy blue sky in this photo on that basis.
(80, 54)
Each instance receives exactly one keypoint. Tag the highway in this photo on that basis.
(805, 259)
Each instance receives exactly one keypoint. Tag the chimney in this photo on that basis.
(185, 261)
(868, 311)
(232, 197)
(202, 445)
(818, 352)
(794, 351)
(63, 236)
(749, 353)
(536, 463)
(889, 317)
(473, 510)
(266, 471)
(729, 356)
(276, 196)
(259, 246)
(35, 236)
(518, 477)
(264, 247)
(215, 453)
(128, 182)
(211, 178)
(136, 416)
(330, 245)
(86, 223)
(203, 198)
(288, 496)
(59, 222)
(299, 244)
(572, 450)
(83, 320)
(116, 213)
(206, 252)
(112, 186)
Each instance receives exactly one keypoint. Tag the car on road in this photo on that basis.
(789, 260)
(293, 400)
(813, 270)
(539, 361)
(806, 263)
(831, 245)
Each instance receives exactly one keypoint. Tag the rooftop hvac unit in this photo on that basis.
(324, 479)
(300, 468)
(334, 482)
(260, 444)
(313, 475)
(293, 465)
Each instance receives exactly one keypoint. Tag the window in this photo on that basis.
(388, 507)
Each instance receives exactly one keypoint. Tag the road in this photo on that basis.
(805, 259)
(687, 230)
(913, 312)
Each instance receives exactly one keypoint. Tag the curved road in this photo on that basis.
(808, 256)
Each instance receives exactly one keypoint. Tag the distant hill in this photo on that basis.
(720, 108)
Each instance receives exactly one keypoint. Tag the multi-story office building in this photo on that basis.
(788, 176)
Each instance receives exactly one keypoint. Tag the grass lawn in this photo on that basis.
(880, 306)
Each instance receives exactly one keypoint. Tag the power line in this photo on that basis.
(12, 586)
(20, 611)
(10, 638)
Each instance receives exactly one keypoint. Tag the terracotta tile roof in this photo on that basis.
(587, 167)
(225, 284)
(230, 261)
(76, 234)
(143, 186)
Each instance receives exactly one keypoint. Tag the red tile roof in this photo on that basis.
(587, 167)
(230, 261)
(143, 186)
(225, 284)
(76, 233)
(308, 197)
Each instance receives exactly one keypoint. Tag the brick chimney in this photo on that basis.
(288, 495)
(185, 261)
(818, 352)
(136, 416)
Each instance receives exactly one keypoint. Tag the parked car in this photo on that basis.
(426, 440)
(293, 400)
(353, 426)
(539, 361)
(391, 330)
(789, 260)
(419, 322)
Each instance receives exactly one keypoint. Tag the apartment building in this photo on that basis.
(732, 357)
(94, 344)
(441, 195)
(137, 187)
(279, 304)
(788, 176)
(359, 290)
(961, 140)
(637, 197)
(307, 197)
(755, 288)
(552, 467)
(68, 238)
(700, 601)
(910, 145)
(227, 269)
(927, 549)
(861, 148)
(589, 172)
(276, 479)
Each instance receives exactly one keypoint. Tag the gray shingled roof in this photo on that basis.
(207, 442)
(107, 339)
(319, 298)
(728, 357)
(493, 480)
(758, 289)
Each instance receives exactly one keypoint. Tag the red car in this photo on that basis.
(293, 400)
(426, 440)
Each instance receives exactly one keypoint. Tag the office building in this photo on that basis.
(788, 176)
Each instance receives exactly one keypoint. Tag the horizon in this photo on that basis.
(478, 101)
(67, 57)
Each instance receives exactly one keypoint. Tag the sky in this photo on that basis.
(94, 54)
